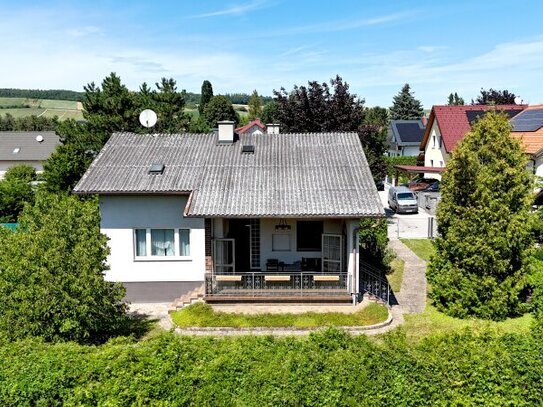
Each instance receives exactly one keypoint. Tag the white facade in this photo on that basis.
(435, 154)
(121, 215)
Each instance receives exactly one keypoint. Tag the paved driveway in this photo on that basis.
(405, 225)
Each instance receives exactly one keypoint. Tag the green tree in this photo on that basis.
(219, 108)
(66, 166)
(270, 112)
(482, 255)
(206, 96)
(377, 115)
(495, 97)
(52, 274)
(255, 106)
(455, 100)
(170, 105)
(405, 106)
(16, 191)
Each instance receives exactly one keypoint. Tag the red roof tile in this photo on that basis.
(453, 122)
(256, 122)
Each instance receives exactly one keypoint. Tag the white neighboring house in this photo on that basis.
(26, 147)
(404, 137)
(254, 127)
(447, 125)
(269, 218)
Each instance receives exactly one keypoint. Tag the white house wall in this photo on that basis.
(434, 155)
(122, 214)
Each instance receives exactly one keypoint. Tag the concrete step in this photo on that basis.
(189, 298)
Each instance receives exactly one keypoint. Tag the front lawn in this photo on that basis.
(395, 276)
(203, 315)
(432, 322)
(423, 248)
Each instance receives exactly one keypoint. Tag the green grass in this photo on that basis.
(395, 277)
(434, 322)
(64, 109)
(203, 315)
(423, 248)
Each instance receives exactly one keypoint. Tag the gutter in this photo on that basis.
(356, 293)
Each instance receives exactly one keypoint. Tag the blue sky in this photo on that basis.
(241, 45)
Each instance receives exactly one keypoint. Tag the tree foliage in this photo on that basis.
(495, 97)
(219, 108)
(206, 96)
(27, 123)
(455, 100)
(54, 94)
(270, 113)
(16, 191)
(51, 274)
(405, 106)
(482, 261)
(255, 106)
(377, 116)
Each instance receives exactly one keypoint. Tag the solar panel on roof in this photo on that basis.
(473, 115)
(528, 120)
(410, 132)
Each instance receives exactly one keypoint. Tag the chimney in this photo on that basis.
(226, 132)
(272, 128)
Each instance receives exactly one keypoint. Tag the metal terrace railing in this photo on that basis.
(276, 284)
(374, 282)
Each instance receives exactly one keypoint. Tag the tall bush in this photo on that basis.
(52, 274)
(482, 257)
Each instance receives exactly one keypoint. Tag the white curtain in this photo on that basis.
(141, 248)
(162, 242)
(184, 242)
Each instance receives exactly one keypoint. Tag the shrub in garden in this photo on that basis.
(481, 266)
(51, 274)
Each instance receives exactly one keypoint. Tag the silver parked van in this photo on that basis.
(402, 200)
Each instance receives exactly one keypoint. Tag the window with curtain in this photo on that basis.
(162, 242)
(184, 242)
(141, 242)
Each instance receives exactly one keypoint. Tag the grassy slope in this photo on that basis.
(395, 277)
(63, 109)
(202, 315)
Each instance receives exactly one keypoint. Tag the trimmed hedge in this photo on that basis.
(327, 368)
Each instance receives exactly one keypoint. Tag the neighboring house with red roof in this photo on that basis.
(528, 127)
(447, 125)
(253, 127)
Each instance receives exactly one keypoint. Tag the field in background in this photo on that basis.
(20, 107)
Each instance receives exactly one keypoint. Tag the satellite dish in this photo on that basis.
(148, 118)
(39, 138)
(518, 100)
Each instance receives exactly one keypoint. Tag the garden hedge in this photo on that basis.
(327, 368)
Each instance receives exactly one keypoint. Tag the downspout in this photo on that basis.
(356, 265)
(533, 160)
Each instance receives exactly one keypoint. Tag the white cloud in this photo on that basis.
(235, 9)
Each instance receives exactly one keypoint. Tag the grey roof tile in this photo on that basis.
(29, 149)
(310, 174)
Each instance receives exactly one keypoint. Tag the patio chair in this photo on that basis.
(272, 265)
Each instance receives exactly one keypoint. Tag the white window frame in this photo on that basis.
(149, 257)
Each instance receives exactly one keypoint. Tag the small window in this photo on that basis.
(431, 163)
(441, 163)
(439, 141)
(184, 242)
(162, 242)
(141, 242)
(309, 236)
(434, 141)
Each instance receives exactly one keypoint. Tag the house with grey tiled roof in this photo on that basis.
(233, 217)
(26, 147)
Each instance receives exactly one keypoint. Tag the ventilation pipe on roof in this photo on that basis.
(272, 128)
(226, 132)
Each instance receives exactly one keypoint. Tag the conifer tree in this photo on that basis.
(255, 106)
(455, 100)
(405, 106)
(481, 264)
(205, 97)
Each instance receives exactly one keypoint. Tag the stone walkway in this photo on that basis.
(412, 295)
